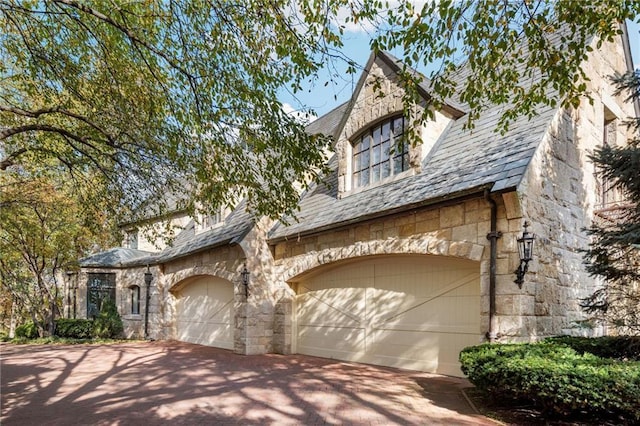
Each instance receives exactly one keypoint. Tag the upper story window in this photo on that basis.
(380, 152)
(131, 239)
(211, 220)
(607, 194)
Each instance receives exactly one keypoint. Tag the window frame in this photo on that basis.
(377, 148)
(101, 286)
(135, 299)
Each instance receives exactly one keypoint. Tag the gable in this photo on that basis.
(379, 98)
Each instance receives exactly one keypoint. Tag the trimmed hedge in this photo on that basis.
(74, 328)
(557, 379)
(27, 330)
(614, 347)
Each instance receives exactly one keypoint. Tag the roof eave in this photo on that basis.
(451, 198)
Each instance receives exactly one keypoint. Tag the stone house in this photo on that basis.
(402, 256)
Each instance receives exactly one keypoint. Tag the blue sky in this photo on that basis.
(323, 98)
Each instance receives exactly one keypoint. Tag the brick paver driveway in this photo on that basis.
(178, 383)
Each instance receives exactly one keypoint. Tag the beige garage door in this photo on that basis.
(414, 312)
(204, 312)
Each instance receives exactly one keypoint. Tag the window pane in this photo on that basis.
(376, 136)
(375, 173)
(386, 169)
(364, 161)
(365, 142)
(364, 177)
(356, 162)
(398, 126)
(386, 129)
(356, 180)
(376, 154)
(397, 165)
(405, 161)
(135, 300)
(385, 151)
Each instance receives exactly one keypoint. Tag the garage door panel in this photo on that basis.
(428, 351)
(413, 312)
(332, 307)
(331, 339)
(205, 313)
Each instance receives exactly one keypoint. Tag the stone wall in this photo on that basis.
(125, 278)
(457, 230)
(558, 194)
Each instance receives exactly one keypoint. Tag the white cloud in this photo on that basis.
(300, 115)
(369, 26)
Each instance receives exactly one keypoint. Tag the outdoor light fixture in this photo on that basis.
(245, 280)
(147, 280)
(525, 250)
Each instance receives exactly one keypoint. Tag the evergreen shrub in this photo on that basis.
(27, 330)
(108, 324)
(74, 328)
(614, 347)
(557, 379)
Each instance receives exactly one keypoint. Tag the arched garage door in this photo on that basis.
(414, 312)
(204, 312)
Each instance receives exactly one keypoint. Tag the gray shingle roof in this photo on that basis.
(234, 228)
(114, 258)
(461, 161)
(187, 242)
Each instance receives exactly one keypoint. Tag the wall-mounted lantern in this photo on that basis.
(148, 277)
(245, 280)
(525, 251)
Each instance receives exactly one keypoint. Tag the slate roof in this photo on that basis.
(462, 161)
(114, 258)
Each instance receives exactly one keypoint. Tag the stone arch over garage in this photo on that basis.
(406, 310)
(431, 245)
(176, 280)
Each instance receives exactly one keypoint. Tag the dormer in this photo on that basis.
(206, 222)
(373, 147)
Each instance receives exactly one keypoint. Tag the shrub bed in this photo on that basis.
(557, 379)
(74, 328)
(27, 330)
(614, 347)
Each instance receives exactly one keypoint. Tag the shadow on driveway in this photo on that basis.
(178, 383)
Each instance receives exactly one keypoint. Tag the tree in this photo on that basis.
(43, 231)
(175, 97)
(614, 253)
(181, 97)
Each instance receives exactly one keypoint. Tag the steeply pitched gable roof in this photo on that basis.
(462, 162)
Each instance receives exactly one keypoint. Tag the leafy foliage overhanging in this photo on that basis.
(181, 97)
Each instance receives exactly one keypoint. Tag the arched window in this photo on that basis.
(380, 152)
(135, 299)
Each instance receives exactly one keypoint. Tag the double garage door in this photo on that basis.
(205, 313)
(414, 312)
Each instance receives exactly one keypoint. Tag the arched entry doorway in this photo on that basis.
(413, 311)
(205, 311)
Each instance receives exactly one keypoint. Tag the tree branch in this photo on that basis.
(10, 159)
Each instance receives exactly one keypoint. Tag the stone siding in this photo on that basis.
(458, 230)
(558, 193)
